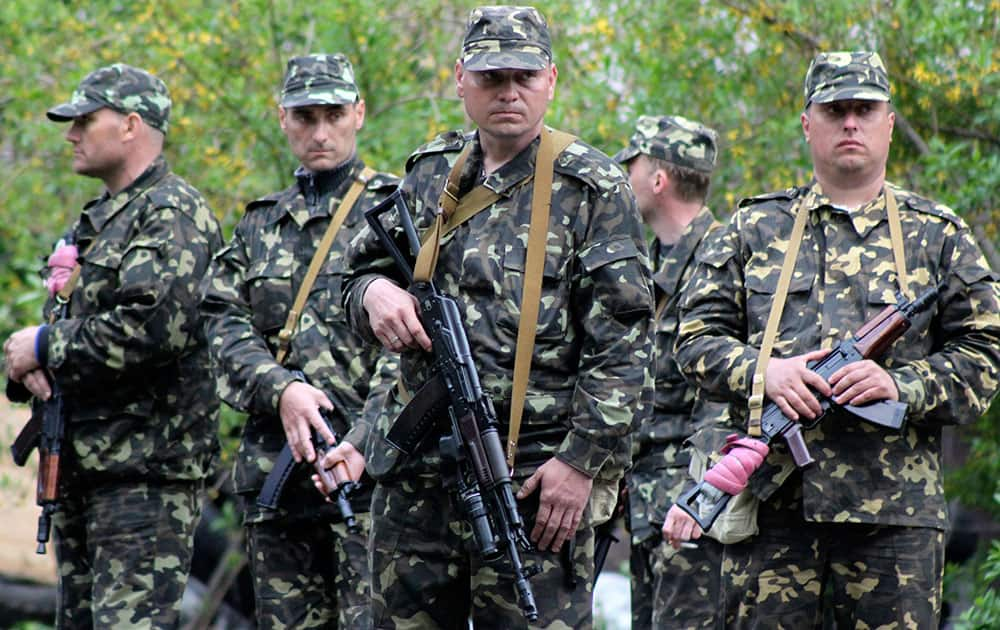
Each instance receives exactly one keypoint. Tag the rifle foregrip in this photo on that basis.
(48, 480)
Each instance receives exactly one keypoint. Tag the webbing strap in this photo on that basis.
(286, 333)
(756, 401)
(552, 144)
(896, 237)
(62, 296)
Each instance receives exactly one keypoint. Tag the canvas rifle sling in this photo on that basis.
(285, 336)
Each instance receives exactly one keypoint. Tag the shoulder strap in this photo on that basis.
(756, 401)
(285, 336)
(552, 144)
(896, 237)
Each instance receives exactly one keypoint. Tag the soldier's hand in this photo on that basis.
(19, 353)
(679, 527)
(36, 383)
(863, 382)
(343, 453)
(392, 313)
(299, 410)
(787, 383)
(565, 492)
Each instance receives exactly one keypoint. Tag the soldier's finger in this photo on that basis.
(541, 518)
(551, 530)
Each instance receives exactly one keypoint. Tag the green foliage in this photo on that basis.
(985, 610)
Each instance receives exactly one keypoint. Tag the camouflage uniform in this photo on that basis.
(132, 363)
(309, 571)
(869, 515)
(589, 370)
(670, 588)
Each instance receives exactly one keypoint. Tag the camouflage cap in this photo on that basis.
(673, 139)
(505, 37)
(319, 79)
(839, 76)
(124, 89)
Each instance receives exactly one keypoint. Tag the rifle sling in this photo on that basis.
(801, 211)
(285, 335)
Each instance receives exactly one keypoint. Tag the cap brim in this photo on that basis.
(851, 94)
(480, 62)
(626, 154)
(68, 111)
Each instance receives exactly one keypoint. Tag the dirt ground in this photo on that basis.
(18, 512)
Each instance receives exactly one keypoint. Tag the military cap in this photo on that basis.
(673, 139)
(319, 80)
(122, 88)
(839, 76)
(506, 37)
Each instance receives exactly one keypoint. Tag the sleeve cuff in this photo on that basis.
(911, 388)
(357, 436)
(273, 385)
(582, 454)
(42, 345)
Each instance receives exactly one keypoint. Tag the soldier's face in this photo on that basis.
(849, 138)
(322, 137)
(98, 140)
(507, 104)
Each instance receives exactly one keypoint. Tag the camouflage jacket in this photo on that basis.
(130, 356)
(590, 367)
(253, 284)
(658, 462)
(945, 366)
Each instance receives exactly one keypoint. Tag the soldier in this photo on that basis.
(670, 161)
(589, 368)
(867, 520)
(129, 357)
(309, 570)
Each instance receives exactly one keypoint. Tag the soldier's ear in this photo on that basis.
(804, 118)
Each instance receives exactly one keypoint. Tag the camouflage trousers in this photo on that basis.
(675, 588)
(426, 573)
(875, 576)
(124, 552)
(310, 573)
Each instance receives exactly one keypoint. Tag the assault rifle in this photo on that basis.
(704, 502)
(337, 482)
(472, 447)
(44, 431)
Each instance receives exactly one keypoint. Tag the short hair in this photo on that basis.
(691, 185)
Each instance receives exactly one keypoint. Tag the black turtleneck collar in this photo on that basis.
(319, 185)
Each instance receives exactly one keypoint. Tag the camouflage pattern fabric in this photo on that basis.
(104, 580)
(506, 37)
(247, 298)
(673, 139)
(945, 366)
(839, 76)
(122, 88)
(675, 588)
(592, 356)
(252, 286)
(131, 357)
(426, 574)
(875, 576)
(310, 573)
(319, 79)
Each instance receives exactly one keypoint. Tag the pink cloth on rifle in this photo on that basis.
(742, 457)
(61, 264)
